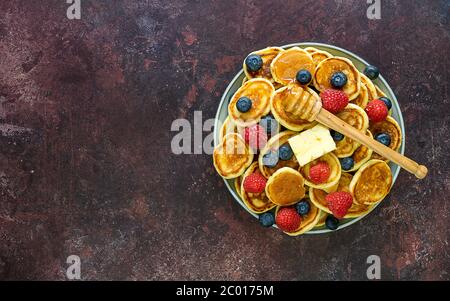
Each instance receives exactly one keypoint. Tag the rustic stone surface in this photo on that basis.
(86, 168)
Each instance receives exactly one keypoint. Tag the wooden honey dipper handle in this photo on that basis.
(333, 122)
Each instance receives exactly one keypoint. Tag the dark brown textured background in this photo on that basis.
(86, 167)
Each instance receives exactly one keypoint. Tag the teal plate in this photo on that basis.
(360, 64)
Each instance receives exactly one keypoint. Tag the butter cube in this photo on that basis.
(312, 144)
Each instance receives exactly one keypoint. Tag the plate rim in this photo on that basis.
(396, 169)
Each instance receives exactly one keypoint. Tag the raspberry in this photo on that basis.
(255, 183)
(255, 136)
(334, 101)
(339, 203)
(377, 110)
(288, 219)
(319, 173)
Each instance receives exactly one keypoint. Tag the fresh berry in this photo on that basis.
(302, 208)
(338, 80)
(288, 219)
(383, 138)
(304, 77)
(270, 124)
(339, 203)
(253, 62)
(285, 152)
(266, 219)
(244, 104)
(331, 222)
(387, 102)
(336, 135)
(319, 173)
(347, 163)
(377, 110)
(270, 159)
(255, 136)
(255, 183)
(371, 72)
(334, 100)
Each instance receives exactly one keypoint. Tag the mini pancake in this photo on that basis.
(285, 187)
(232, 156)
(363, 98)
(260, 91)
(390, 127)
(371, 183)
(267, 55)
(335, 172)
(380, 93)
(318, 197)
(228, 127)
(289, 109)
(311, 50)
(329, 66)
(237, 185)
(255, 202)
(309, 221)
(318, 55)
(285, 66)
(362, 154)
(273, 145)
(371, 90)
(356, 117)
(322, 219)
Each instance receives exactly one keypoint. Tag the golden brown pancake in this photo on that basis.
(267, 55)
(322, 219)
(356, 117)
(361, 155)
(255, 202)
(229, 127)
(371, 90)
(309, 221)
(363, 98)
(232, 156)
(293, 104)
(285, 187)
(287, 63)
(335, 172)
(318, 198)
(274, 144)
(380, 93)
(318, 55)
(329, 66)
(237, 185)
(371, 183)
(260, 91)
(390, 127)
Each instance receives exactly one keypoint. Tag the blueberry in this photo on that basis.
(383, 138)
(338, 79)
(270, 159)
(244, 104)
(331, 222)
(253, 62)
(336, 135)
(269, 124)
(267, 219)
(302, 207)
(372, 72)
(387, 102)
(285, 152)
(304, 77)
(347, 163)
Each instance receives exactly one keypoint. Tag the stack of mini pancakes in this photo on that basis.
(275, 91)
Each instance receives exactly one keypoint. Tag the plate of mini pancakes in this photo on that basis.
(276, 93)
